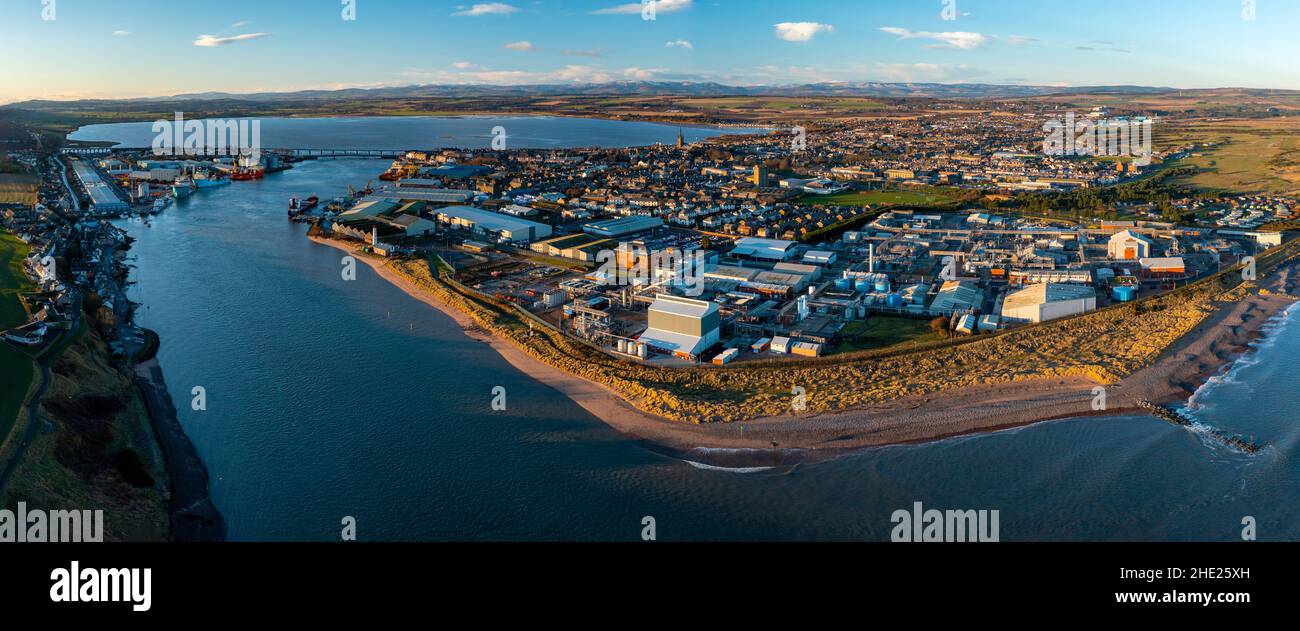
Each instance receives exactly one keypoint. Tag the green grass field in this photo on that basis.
(16, 374)
(885, 331)
(12, 281)
(882, 198)
(15, 367)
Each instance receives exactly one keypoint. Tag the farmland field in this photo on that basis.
(18, 188)
(1250, 156)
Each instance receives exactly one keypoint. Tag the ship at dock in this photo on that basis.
(183, 188)
(206, 181)
(299, 207)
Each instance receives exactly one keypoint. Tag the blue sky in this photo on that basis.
(123, 48)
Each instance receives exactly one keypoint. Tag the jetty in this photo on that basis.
(1181, 419)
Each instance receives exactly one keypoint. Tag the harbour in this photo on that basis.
(388, 448)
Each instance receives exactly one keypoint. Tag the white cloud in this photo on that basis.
(239, 24)
(801, 31)
(954, 39)
(210, 40)
(120, 33)
(639, 74)
(680, 43)
(662, 6)
(522, 47)
(462, 65)
(1021, 40)
(489, 8)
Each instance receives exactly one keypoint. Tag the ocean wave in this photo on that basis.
(1272, 332)
(709, 467)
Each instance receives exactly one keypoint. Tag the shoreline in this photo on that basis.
(193, 515)
(759, 128)
(1219, 341)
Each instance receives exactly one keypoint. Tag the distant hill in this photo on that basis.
(626, 88)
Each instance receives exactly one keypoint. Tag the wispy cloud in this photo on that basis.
(634, 8)
(680, 43)
(962, 40)
(1102, 47)
(1021, 40)
(523, 47)
(488, 8)
(801, 31)
(212, 40)
(120, 33)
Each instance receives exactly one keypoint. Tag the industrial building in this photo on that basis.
(681, 326)
(1168, 267)
(508, 228)
(1127, 245)
(102, 198)
(579, 247)
(622, 227)
(1048, 301)
(770, 250)
(957, 296)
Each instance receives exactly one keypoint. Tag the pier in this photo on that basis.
(1176, 417)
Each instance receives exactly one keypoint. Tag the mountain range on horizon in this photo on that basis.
(655, 88)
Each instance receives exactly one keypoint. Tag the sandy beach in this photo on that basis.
(1180, 371)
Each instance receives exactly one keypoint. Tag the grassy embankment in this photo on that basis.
(16, 370)
(101, 453)
(1104, 346)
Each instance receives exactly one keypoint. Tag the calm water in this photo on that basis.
(330, 398)
(428, 131)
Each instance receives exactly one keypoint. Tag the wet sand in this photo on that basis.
(1183, 368)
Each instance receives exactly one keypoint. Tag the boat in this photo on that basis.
(244, 175)
(183, 188)
(204, 181)
(299, 207)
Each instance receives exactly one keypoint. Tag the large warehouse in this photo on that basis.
(682, 326)
(1127, 245)
(1048, 301)
(477, 220)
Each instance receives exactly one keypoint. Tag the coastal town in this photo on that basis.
(810, 241)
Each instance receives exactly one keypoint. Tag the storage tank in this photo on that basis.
(622, 345)
(844, 284)
(882, 285)
(896, 301)
(863, 285)
(642, 350)
(1124, 293)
